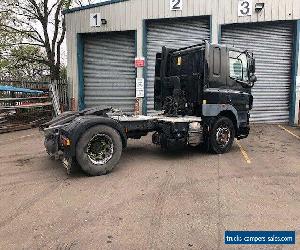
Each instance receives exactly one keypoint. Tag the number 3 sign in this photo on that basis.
(176, 4)
(245, 8)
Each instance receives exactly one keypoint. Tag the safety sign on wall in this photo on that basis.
(139, 87)
(139, 62)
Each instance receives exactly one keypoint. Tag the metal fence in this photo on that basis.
(26, 104)
(60, 87)
(60, 90)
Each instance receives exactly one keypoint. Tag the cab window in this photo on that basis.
(238, 66)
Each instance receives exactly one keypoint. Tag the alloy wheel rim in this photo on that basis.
(100, 149)
(223, 135)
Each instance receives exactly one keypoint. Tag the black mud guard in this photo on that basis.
(81, 124)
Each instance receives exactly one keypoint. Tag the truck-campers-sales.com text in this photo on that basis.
(249, 239)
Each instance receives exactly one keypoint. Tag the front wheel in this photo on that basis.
(222, 135)
(98, 150)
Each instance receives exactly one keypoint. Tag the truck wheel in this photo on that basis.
(222, 135)
(98, 150)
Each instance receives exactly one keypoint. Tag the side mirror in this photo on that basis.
(252, 65)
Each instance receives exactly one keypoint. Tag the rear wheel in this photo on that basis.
(98, 150)
(222, 135)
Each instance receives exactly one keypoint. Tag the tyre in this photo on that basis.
(222, 135)
(98, 150)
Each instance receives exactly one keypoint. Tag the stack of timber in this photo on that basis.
(23, 108)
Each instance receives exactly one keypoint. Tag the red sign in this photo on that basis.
(139, 62)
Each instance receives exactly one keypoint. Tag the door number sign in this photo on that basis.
(95, 20)
(245, 8)
(176, 4)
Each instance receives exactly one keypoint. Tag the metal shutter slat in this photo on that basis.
(271, 44)
(109, 72)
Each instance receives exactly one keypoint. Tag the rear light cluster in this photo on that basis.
(65, 141)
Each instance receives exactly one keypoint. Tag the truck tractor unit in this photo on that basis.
(202, 96)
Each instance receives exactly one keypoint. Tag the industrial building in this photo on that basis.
(111, 49)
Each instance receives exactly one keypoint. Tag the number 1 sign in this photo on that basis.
(95, 20)
(176, 4)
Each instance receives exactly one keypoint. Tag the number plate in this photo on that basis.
(245, 8)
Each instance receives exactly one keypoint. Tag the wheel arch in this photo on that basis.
(216, 110)
(230, 115)
(87, 123)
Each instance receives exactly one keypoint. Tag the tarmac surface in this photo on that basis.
(151, 200)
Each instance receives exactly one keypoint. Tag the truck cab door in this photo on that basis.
(218, 72)
(217, 66)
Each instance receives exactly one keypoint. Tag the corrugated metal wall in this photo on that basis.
(109, 73)
(174, 34)
(272, 45)
(129, 15)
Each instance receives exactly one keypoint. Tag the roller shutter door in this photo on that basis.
(172, 33)
(109, 72)
(271, 44)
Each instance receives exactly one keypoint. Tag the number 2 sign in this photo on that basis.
(95, 20)
(245, 8)
(176, 4)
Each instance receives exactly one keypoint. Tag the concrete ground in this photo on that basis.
(151, 200)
